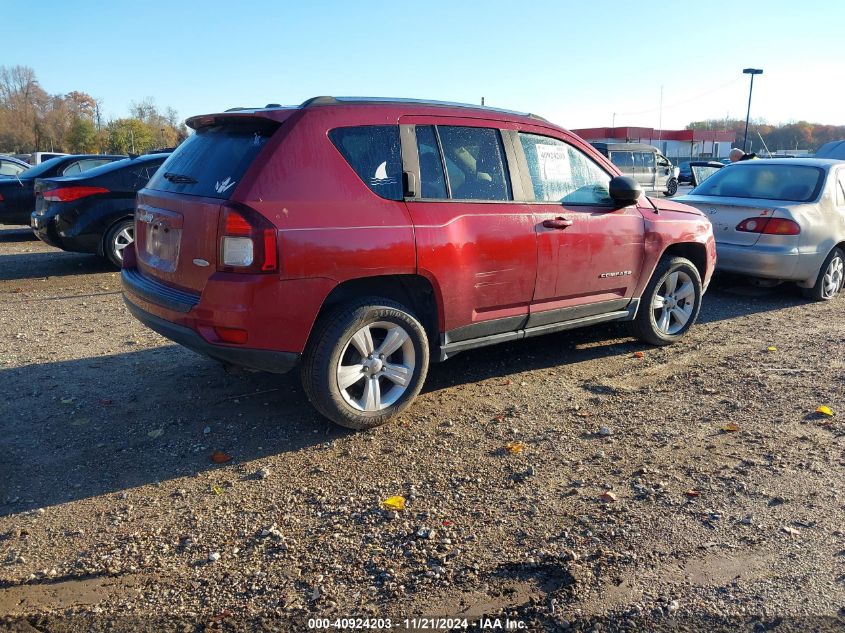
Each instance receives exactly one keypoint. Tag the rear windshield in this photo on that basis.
(796, 183)
(212, 161)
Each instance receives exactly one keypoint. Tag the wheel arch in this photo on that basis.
(129, 214)
(412, 290)
(696, 252)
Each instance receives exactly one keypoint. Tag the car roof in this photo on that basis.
(407, 106)
(807, 162)
(17, 161)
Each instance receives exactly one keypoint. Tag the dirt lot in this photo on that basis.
(713, 499)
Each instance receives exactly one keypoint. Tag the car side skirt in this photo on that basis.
(449, 346)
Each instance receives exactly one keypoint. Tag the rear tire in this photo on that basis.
(670, 304)
(830, 279)
(365, 362)
(120, 235)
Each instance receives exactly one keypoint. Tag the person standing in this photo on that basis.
(737, 155)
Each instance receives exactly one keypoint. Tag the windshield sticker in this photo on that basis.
(554, 162)
(222, 187)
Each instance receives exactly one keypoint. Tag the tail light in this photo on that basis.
(769, 226)
(68, 194)
(247, 241)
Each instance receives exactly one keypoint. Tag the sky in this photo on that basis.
(588, 63)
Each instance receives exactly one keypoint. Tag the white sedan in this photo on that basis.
(780, 219)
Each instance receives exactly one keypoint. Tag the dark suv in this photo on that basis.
(361, 238)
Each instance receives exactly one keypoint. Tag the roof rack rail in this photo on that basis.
(327, 100)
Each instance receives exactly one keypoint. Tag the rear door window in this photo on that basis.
(84, 165)
(212, 161)
(374, 152)
(562, 173)
(475, 163)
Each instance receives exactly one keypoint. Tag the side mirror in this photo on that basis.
(625, 190)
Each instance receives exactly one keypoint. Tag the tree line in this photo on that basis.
(33, 120)
(786, 136)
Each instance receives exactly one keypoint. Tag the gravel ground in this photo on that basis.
(685, 488)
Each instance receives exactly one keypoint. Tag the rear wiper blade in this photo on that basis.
(180, 178)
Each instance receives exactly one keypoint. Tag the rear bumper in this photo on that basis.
(47, 230)
(783, 262)
(258, 359)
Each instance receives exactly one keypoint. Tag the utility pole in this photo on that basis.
(752, 72)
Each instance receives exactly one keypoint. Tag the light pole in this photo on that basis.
(752, 72)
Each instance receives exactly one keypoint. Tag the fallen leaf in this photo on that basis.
(608, 497)
(514, 447)
(67, 400)
(639, 355)
(730, 427)
(790, 530)
(771, 348)
(219, 457)
(216, 489)
(446, 523)
(692, 493)
(824, 410)
(106, 402)
(155, 433)
(394, 503)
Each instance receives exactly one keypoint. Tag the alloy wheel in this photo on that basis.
(376, 366)
(674, 302)
(121, 240)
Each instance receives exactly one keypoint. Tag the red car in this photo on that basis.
(360, 238)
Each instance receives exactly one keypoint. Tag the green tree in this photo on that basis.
(130, 136)
(82, 137)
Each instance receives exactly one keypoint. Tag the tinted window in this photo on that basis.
(83, 165)
(475, 163)
(212, 161)
(373, 151)
(662, 161)
(561, 173)
(796, 183)
(431, 167)
(623, 160)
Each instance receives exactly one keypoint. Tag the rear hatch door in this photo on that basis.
(177, 213)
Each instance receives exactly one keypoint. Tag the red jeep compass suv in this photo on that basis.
(362, 237)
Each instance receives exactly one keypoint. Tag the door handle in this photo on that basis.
(557, 223)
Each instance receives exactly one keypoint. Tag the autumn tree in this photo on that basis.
(33, 120)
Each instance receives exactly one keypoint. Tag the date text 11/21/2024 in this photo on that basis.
(421, 623)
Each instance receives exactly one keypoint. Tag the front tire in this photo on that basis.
(365, 363)
(830, 279)
(120, 235)
(671, 187)
(670, 304)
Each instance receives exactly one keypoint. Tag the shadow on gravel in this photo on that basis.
(76, 429)
(72, 430)
(55, 263)
(731, 296)
(728, 298)
(22, 234)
